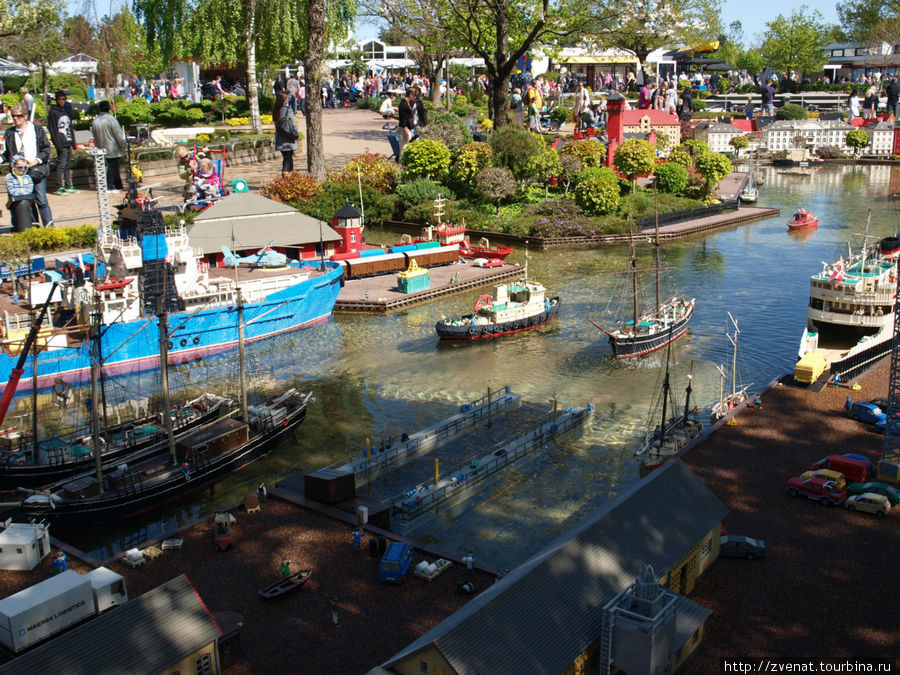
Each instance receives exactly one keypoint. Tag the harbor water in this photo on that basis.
(377, 376)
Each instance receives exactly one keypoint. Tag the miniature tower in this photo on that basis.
(348, 223)
(615, 126)
(158, 277)
(639, 627)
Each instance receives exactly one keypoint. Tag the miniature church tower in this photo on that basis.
(348, 223)
(615, 128)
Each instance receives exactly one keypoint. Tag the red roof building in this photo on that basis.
(654, 125)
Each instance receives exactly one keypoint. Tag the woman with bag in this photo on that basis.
(30, 140)
(286, 132)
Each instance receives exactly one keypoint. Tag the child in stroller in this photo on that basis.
(20, 188)
(207, 186)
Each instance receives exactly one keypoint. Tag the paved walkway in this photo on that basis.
(347, 133)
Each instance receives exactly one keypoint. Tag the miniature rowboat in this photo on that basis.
(286, 585)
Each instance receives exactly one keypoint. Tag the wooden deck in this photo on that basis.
(380, 293)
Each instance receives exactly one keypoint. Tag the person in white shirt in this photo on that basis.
(30, 141)
(387, 107)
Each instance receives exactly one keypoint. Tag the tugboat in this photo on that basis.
(511, 308)
(803, 220)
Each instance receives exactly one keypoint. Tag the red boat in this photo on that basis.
(448, 235)
(483, 250)
(803, 220)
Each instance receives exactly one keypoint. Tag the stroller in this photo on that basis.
(393, 140)
(217, 157)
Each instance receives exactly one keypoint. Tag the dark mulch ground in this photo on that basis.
(296, 634)
(828, 588)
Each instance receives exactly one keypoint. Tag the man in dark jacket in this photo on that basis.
(893, 96)
(63, 136)
(30, 140)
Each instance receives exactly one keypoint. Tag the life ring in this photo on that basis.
(284, 422)
(196, 339)
(183, 342)
(171, 344)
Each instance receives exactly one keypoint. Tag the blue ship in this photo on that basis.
(145, 270)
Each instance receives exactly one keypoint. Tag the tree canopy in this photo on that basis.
(859, 17)
(20, 16)
(795, 42)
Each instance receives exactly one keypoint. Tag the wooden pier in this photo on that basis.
(380, 293)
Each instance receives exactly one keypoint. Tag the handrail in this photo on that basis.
(62, 220)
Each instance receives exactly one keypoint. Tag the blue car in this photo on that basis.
(866, 412)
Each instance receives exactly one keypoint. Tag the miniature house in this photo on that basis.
(23, 545)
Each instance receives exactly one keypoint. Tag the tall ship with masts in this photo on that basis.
(650, 328)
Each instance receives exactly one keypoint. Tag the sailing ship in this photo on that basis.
(850, 317)
(652, 328)
(727, 402)
(750, 193)
(135, 269)
(668, 435)
(511, 308)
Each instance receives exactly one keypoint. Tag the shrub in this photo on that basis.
(791, 111)
(379, 207)
(426, 158)
(571, 167)
(694, 147)
(471, 158)
(724, 85)
(561, 115)
(681, 157)
(136, 112)
(590, 151)
(544, 166)
(375, 170)
(635, 157)
(47, 239)
(561, 218)
(75, 85)
(830, 152)
(496, 184)
(449, 130)
(672, 177)
(420, 191)
(597, 190)
(291, 188)
(513, 147)
(699, 105)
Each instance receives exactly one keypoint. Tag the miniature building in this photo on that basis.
(246, 222)
(881, 139)
(347, 222)
(811, 134)
(166, 630)
(718, 135)
(669, 520)
(23, 545)
(652, 125)
(414, 279)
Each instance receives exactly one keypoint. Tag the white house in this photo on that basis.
(811, 134)
(717, 135)
(881, 139)
(23, 545)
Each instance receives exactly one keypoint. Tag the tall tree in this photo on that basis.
(79, 35)
(859, 17)
(20, 16)
(315, 54)
(42, 44)
(122, 48)
(795, 42)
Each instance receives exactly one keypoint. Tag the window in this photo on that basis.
(19, 551)
(706, 549)
(423, 667)
(204, 665)
(352, 234)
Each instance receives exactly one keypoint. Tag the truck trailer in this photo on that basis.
(44, 609)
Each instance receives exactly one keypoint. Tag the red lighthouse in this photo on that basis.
(615, 105)
(347, 222)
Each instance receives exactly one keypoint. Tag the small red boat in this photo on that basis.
(803, 220)
(483, 250)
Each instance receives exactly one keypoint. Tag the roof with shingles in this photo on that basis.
(245, 220)
(543, 614)
(145, 635)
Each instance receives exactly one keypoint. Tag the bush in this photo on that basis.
(513, 147)
(421, 191)
(699, 105)
(379, 207)
(74, 84)
(724, 85)
(291, 188)
(47, 239)
(791, 111)
(597, 190)
(137, 112)
(471, 158)
(672, 177)
(681, 157)
(830, 152)
(375, 170)
(590, 151)
(561, 218)
(448, 129)
(496, 184)
(694, 147)
(426, 158)
(561, 115)
(544, 167)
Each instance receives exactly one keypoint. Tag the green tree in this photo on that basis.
(426, 158)
(739, 143)
(681, 157)
(20, 16)
(752, 60)
(672, 178)
(590, 150)
(859, 17)
(513, 147)
(857, 139)
(597, 190)
(571, 167)
(496, 184)
(122, 47)
(634, 158)
(713, 167)
(544, 167)
(79, 35)
(468, 163)
(795, 42)
(41, 45)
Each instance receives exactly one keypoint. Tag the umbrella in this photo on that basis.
(720, 66)
(12, 68)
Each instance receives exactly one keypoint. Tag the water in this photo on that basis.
(378, 376)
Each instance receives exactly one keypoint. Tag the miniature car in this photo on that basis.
(869, 502)
(835, 477)
(868, 413)
(817, 489)
(870, 467)
(739, 546)
(892, 494)
(487, 262)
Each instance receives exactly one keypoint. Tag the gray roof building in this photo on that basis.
(148, 634)
(546, 612)
(246, 220)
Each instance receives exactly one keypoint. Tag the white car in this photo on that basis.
(869, 502)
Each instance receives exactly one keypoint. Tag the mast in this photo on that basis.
(95, 393)
(634, 294)
(163, 316)
(242, 357)
(658, 255)
(734, 342)
(34, 394)
(687, 395)
(665, 400)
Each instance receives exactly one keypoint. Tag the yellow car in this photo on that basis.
(869, 502)
(835, 477)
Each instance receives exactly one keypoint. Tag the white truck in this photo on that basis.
(44, 609)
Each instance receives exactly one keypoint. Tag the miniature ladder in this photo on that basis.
(102, 195)
(606, 630)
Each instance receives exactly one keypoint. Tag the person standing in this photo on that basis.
(687, 105)
(582, 100)
(748, 108)
(108, 136)
(293, 89)
(30, 140)
(870, 104)
(421, 114)
(28, 100)
(60, 124)
(220, 91)
(766, 95)
(893, 97)
(279, 85)
(643, 97)
(286, 131)
(406, 117)
(771, 105)
(517, 106)
(853, 104)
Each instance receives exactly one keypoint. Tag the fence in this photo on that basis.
(428, 495)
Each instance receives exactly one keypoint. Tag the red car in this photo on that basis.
(818, 489)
